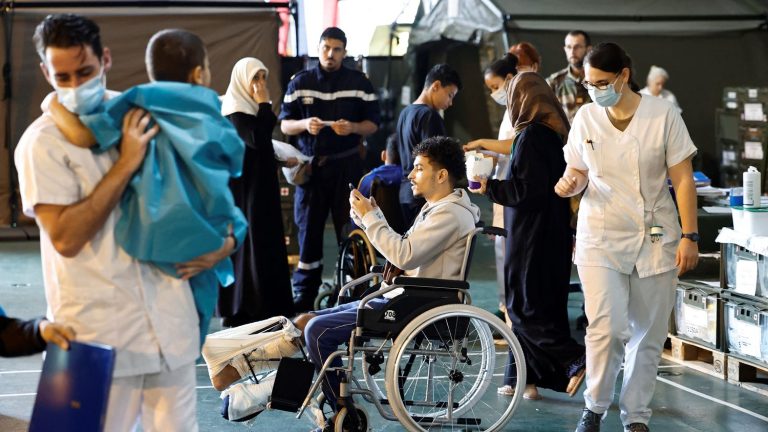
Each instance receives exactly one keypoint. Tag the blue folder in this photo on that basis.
(73, 391)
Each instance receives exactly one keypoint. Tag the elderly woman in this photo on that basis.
(538, 250)
(657, 79)
(262, 287)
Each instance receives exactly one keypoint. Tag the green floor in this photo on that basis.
(685, 400)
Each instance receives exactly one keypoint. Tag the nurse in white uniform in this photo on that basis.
(630, 247)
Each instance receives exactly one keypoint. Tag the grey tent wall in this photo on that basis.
(228, 35)
(699, 65)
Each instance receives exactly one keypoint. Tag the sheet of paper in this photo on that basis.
(695, 316)
(746, 276)
(753, 150)
(753, 112)
(746, 337)
(716, 210)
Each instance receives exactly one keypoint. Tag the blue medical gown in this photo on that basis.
(178, 205)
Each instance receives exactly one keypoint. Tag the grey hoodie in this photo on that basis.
(434, 246)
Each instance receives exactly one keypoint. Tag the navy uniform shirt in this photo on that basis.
(343, 94)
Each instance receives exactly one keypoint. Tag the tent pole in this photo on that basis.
(13, 206)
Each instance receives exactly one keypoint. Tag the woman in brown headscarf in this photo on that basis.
(538, 252)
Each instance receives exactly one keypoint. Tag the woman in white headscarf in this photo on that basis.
(262, 287)
(657, 79)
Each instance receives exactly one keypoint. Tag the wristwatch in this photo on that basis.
(694, 236)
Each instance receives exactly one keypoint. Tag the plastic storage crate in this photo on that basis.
(732, 255)
(746, 328)
(698, 313)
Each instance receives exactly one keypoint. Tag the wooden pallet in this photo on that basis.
(696, 356)
(750, 375)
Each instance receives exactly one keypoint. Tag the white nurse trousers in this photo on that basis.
(628, 318)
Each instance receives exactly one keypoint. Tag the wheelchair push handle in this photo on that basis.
(494, 231)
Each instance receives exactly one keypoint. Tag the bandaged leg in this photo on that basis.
(235, 353)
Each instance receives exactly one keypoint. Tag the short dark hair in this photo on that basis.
(503, 66)
(610, 57)
(393, 152)
(445, 74)
(587, 39)
(65, 31)
(444, 152)
(172, 54)
(334, 33)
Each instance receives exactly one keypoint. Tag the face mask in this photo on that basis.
(85, 98)
(500, 96)
(608, 97)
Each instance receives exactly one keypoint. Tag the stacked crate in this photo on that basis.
(744, 277)
(741, 133)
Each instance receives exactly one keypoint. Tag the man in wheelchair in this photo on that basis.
(434, 247)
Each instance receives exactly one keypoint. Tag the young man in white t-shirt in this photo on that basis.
(90, 282)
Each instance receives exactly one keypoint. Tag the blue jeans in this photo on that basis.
(323, 335)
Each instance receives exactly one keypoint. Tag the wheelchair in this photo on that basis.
(440, 365)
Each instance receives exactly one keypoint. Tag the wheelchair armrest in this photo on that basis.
(377, 269)
(494, 231)
(361, 279)
(430, 283)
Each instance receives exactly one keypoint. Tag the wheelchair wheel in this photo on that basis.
(344, 422)
(356, 256)
(444, 369)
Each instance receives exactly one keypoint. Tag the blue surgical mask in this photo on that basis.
(607, 97)
(85, 98)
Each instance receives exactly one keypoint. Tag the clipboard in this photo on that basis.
(73, 391)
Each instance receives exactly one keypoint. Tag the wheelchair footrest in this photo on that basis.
(293, 380)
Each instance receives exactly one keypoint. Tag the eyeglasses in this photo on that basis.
(600, 85)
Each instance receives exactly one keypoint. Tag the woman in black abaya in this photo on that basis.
(538, 250)
(262, 287)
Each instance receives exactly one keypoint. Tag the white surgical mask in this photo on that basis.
(500, 96)
(85, 98)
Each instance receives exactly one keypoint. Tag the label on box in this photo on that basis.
(746, 277)
(731, 95)
(694, 317)
(731, 105)
(746, 338)
(753, 150)
(752, 93)
(753, 112)
(729, 156)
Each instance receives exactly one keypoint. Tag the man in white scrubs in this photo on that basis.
(90, 282)
(630, 246)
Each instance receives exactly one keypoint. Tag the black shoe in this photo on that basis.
(590, 421)
(636, 427)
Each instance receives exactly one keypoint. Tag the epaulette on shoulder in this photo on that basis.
(299, 73)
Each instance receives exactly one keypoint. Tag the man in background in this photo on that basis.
(331, 108)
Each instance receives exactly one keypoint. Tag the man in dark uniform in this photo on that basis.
(566, 83)
(331, 108)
